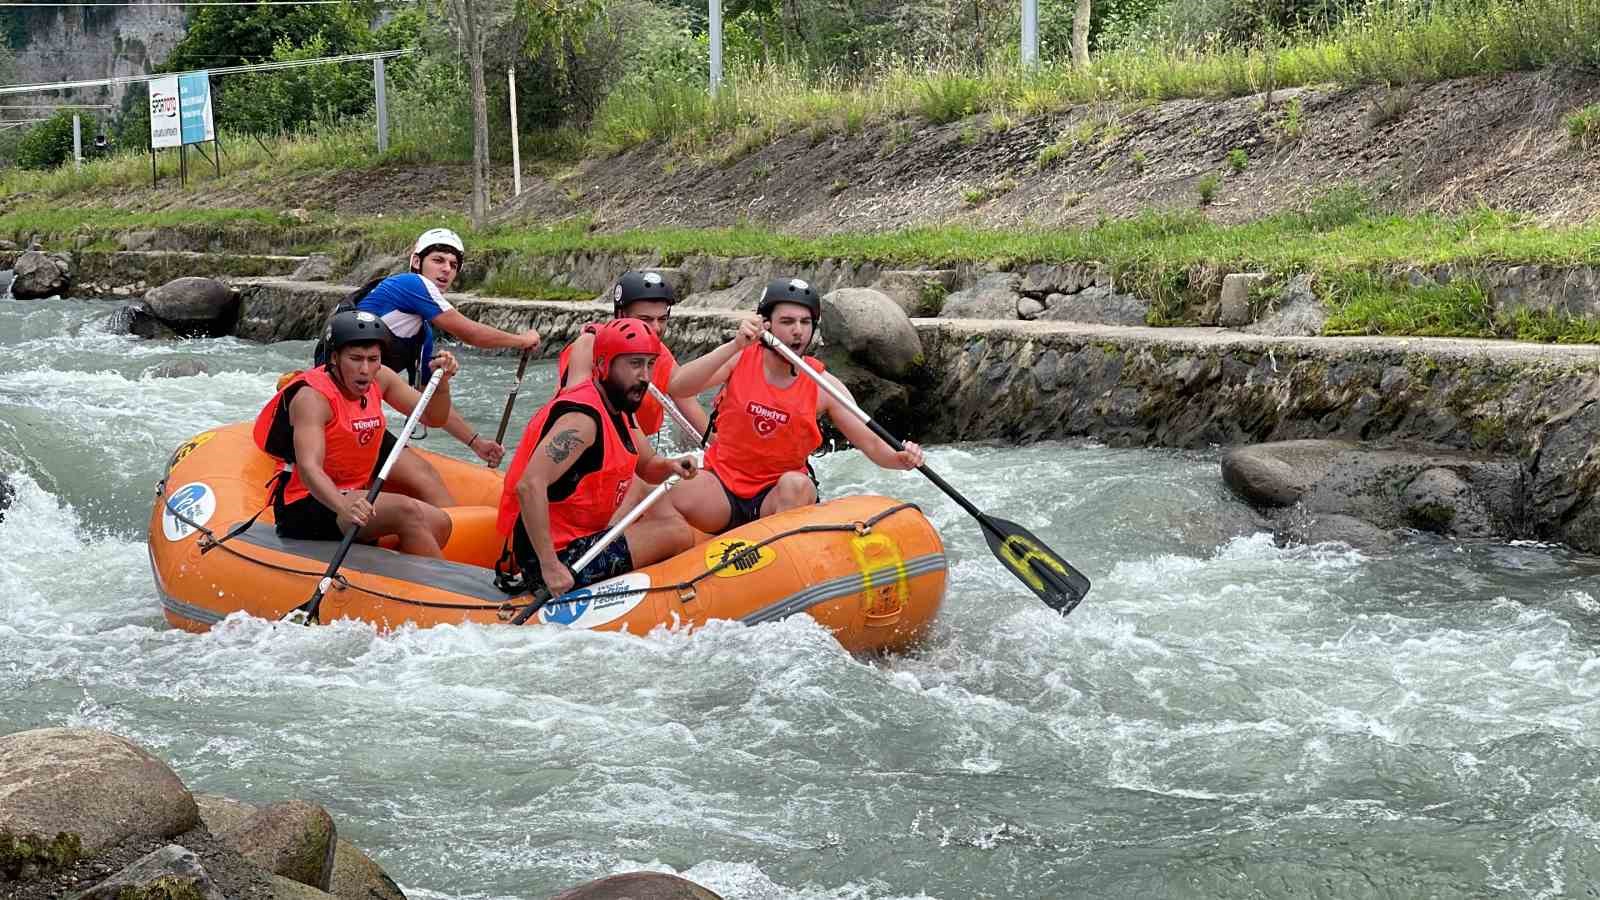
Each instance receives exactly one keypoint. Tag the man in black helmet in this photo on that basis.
(766, 417)
(332, 441)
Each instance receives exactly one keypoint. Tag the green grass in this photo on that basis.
(1583, 126)
(1340, 239)
(1395, 43)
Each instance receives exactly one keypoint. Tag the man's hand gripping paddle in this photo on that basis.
(1052, 578)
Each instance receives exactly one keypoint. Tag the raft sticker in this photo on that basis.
(188, 447)
(889, 594)
(597, 604)
(740, 556)
(194, 501)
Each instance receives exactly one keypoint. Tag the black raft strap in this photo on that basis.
(275, 488)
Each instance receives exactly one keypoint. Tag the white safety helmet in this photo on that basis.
(440, 237)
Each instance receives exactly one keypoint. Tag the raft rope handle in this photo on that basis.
(208, 538)
(681, 587)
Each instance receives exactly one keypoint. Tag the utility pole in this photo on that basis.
(715, 27)
(77, 141)
(516, 139)
(1030, 32)
(381, 94)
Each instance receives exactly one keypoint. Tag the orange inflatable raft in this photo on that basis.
(870, 569)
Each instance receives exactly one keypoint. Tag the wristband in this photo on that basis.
(474, 439)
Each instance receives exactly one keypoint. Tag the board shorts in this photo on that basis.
(307, 519)
(613, 561)
(744, 510)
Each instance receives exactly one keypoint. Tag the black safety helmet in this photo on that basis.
(636, 286)
(354, 326)
(789, 290)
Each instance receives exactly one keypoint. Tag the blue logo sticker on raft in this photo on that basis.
(195, 503)
(597, 604)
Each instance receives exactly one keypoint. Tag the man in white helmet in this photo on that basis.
(412, 304)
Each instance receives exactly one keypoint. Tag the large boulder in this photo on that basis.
(873, 329)
(195, 306)
(355, 875)
(170, 872)
(317, 267)
(638, 886)
(993, 297)
(38, 274)
(137, 319)
(1278, 474)
(295, 839)
(99, 787)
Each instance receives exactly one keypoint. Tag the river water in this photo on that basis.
(1224, 719)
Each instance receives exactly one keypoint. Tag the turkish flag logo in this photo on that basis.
(765, 427)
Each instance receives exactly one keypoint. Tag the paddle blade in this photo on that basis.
(1057, 583)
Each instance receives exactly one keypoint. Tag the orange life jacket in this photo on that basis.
(762, 431)
(352, 437)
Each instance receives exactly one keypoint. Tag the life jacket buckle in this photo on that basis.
(686, 593)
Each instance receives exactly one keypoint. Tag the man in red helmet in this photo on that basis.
(766, 417)
(573, 467)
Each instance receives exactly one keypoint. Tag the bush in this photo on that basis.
(49, 143)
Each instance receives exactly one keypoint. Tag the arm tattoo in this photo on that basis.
(562, 445)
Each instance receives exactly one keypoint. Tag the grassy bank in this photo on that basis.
(1394, 43)
(1354, 253)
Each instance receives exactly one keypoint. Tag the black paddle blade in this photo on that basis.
(1054, 579)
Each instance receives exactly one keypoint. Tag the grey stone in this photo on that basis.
(179, 368)
(1280, 473)
(317, 267)
(137, 319)
(993, 297)
(294, 839)
(919, 292)
(98, 786)
(1097, 304)
(638, 886)
(376, 266)
(1332, 528)
(138, 240)
(171, 871)
(1298, 312)
(1236, 288)
(37, 275)
(5, 282)
(289, 889)
(1029, 308)
(8, 245)
(7, 495)
(195, 306)
(355, 875)
(873, 329)
(1042, 280)
(1439, 501)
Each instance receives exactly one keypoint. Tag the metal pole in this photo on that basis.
(516, 139)
(1030, 32)
(380, 92)
(716, 46)
(77, 141)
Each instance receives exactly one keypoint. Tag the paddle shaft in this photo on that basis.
(678, 418)
(511, 400)
(306, 612)
(542, 596)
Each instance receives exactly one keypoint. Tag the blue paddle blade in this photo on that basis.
(1052, 578)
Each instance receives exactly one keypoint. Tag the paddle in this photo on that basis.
(511, 400)
(678, 418)
(542, 595)
(306, 613)
(1049, 576)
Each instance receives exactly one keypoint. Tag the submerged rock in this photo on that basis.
(195, 306)
(179, 368)
(638, 886)
(137, 319)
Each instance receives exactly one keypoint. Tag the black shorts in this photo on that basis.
(307, 519)
(743, 511)
(613, 561)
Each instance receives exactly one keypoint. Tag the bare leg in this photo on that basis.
(793, 490)
(702, 503)
(654, 538)
(414, 476)
(421, 528)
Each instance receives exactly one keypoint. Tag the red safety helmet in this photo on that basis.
(620, 337)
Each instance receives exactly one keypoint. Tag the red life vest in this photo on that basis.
(589, 508)
(762, 431)
(650, 415)
(352, 437)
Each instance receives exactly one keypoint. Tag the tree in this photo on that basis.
(49, 143)
(499, 30)
(1080, 35)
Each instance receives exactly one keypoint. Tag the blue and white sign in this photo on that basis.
(195, 502)
(194, 107)
(597, 604)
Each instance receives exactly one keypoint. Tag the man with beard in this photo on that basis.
(766, 417)
(573, 466)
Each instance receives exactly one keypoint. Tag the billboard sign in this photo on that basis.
(164, 128)
(194, 107)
